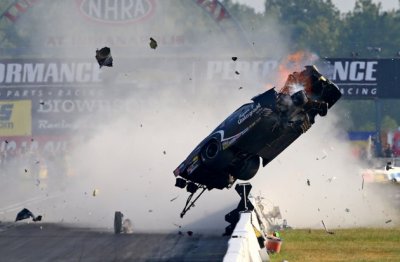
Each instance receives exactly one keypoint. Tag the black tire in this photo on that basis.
(210, 151)
(248, 169)
(118, 222)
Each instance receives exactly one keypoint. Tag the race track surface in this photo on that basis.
(52, 242)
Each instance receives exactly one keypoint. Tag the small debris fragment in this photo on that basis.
(41, 103)
(103, 57)
(153, 43)
(95, 192)
(37, 162)
(347, 210)
(326, 230)
(164, 152)
(6, 141)
(362, 184)
(174, 198)
(141, 125)
(180, 233)
(190, 233)
(150, 211)
(388, 221)
(240, 87)
(308, 182)
(237, 72)
(234, 58)
(26, 170)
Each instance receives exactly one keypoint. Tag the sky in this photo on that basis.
(343, 5)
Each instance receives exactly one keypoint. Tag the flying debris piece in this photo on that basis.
(256, 132)
(240, 87)
(103, 57)
(308, 182)
(96, 192)
(153, 43)
(25, 213)
(41, 103)
(323, 156)
(37, 162)
(347, 210)
(190, 233)
(237, 72)
(388, 221)
(6, 141)
(150, 211)
(174, 198)
(234, 58)
(326, 230)
(362, 184)
(26, 170)
(164, 152)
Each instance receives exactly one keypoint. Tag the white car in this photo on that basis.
(393, 173)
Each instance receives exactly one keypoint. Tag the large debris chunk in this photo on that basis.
(25, 213)
(103, 57)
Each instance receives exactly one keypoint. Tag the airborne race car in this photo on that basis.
(258, 130)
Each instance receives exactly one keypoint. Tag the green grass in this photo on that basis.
(361, 244)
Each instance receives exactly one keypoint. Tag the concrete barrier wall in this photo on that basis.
(243, 245)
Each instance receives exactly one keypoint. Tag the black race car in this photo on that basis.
(256, 132)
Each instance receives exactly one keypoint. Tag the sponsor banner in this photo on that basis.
(41, 144)
(62, 110)
(225, 70)
(15, 118)
(15, 72)
(356, 78)
(365, 78)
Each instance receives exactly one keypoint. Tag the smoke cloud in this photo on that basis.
(124, 162)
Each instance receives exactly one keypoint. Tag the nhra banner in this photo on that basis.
(15, 118)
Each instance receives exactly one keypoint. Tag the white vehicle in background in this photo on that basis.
(392, 172)
(388, 173)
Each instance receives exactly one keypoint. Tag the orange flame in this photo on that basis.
(292, 63)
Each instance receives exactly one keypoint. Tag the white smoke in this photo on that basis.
(128, 157)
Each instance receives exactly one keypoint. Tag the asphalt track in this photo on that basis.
(53, 242)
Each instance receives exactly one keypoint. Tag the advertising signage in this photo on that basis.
(365, 78)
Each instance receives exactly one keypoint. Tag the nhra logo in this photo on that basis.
(5, 116)
(117, 11)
